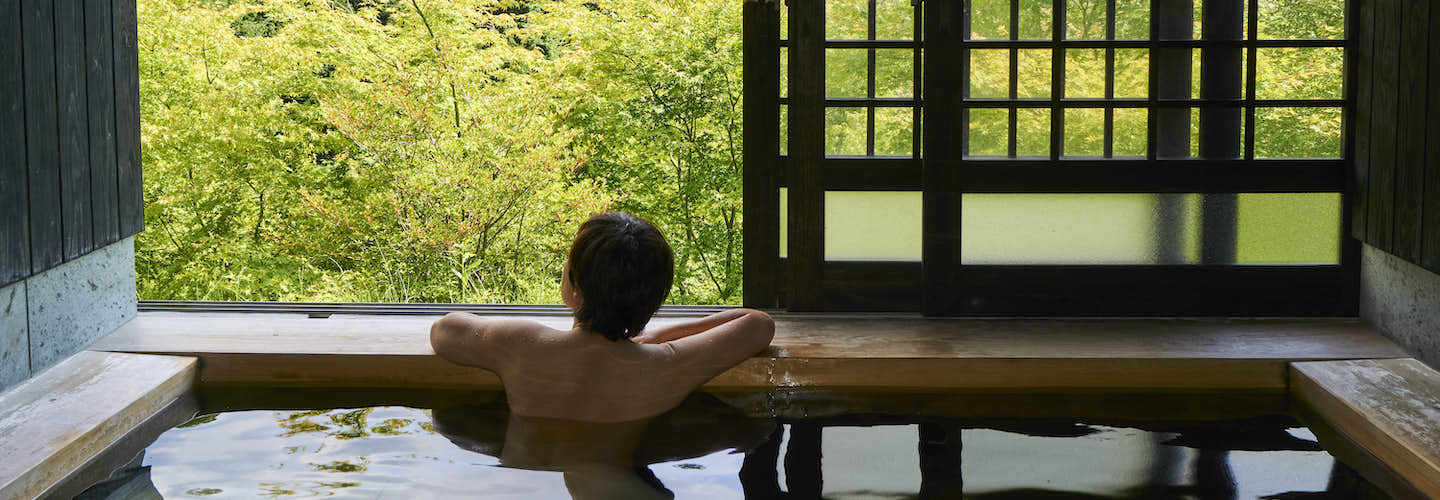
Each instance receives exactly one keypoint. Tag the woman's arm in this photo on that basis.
(717, 349)
(468, 339)
(687, 328)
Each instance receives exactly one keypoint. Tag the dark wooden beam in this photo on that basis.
(1360, 80)
(806, 239)
(945, 135)
(761, 197)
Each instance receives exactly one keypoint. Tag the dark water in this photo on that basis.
(707, 449)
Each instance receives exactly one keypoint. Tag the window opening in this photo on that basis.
(1171, 105)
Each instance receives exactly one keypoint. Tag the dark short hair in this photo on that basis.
(623, 268)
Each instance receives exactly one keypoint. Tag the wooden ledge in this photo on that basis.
(1389, 409)
(53, 423)
(812, 352)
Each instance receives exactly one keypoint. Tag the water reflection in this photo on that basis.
(708, 449)
(604, 460)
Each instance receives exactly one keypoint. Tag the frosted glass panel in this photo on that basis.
(1074, 228)
(872, 225)
(784, 222)
(865, 225)
(1116, 229)
(1082, 229)
(1288, 228)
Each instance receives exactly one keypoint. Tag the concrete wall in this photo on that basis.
(49, 316)
(1402, 300)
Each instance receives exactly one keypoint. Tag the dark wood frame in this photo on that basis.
(941, 286)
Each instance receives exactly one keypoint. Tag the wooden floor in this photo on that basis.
(812, 352)
(55, 422)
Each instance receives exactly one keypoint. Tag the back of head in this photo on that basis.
(623, 268)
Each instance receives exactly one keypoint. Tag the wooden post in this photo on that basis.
(806, 242)
(944, 147)
(761, 197)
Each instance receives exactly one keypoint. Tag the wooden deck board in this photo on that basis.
(55, 422)
(1390, 408)
(825, 352)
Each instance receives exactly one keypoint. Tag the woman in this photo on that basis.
(607, 367)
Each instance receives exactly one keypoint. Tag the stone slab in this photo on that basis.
(14, 344)
(60, 419)
(73, 305)
(1402, 301)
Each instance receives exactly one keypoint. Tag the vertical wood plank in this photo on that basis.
(1383, 143)
(1362, 31)
(127, 118)
(944, 143)
(42, 148)
(1430, 198)
(761, 198)
(1411, 118)
(100, 90)
(806, 242)
(77, 234)
(14, 209)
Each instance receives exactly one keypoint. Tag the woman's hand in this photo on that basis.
(676, 331)
(646, 337)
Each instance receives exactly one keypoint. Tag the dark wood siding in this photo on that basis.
(1410, 159)
(70, 178)
(100, 73)
(1430, 198)
(72, 108)
(127, 117)
(1396, 162)
(14, 209)
(42, 136)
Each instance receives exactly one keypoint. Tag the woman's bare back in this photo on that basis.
(580, 375)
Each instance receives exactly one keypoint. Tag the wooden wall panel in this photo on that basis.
(42, 144)
(1382, 126)
(127, 118)
(1412, 121)
(70, 175)
(1395, 165)
(1430, 198)
(100, 73)
(14, 207)
(77, 237)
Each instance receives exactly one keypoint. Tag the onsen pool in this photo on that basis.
(711, 448)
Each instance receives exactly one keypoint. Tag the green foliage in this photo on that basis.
(373, 150)
(660, 108)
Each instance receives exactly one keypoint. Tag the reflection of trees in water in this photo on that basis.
(342, 424)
